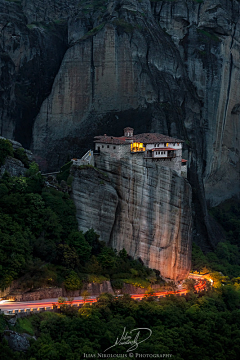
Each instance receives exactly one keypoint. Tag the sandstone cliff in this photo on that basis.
(71, 70)
(207, 35)
(140, 206)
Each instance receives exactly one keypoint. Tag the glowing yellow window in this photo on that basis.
(137, 147)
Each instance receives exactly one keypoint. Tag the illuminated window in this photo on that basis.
(167, 144)
(137, 147)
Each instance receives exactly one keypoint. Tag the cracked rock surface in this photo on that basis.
(140, 206)
(70, 70)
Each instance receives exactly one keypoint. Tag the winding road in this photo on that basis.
(13, 307)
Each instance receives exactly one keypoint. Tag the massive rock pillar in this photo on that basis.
(148, 214)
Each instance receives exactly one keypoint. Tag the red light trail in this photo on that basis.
(38, 305)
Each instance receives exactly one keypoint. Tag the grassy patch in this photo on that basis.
(24, 325)
(138, 282)
(99, 279)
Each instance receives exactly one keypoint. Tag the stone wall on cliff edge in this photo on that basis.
(138, 205)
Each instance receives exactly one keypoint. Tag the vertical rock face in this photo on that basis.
(30, 56)
(152, 218)
(207, 37)
(96, 201)
(13, 166)
(128, 71)
(73, 70)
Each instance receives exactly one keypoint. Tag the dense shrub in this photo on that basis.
(20, 154)
(226, 256)
(64, 172)
(193, 328)
(6, 149)
(63, 206)
(72, 281)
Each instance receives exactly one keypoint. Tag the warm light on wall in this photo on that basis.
(166, 144)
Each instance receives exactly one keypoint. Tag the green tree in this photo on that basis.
(85, 294)
(123, 254)
(72, 281)
(77, 240)
(61, 204)
(93, 239)
(67, 256)
(107, 258)
(3, 190)
(222, 251)
(6, 149)
(152, 277)
(64, 172)
(189, 284)
(149, 294)
(231, 297)
(93, 266)
(33, 169)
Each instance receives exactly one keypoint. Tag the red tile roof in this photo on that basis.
(146, 138)
(111, 140)
(151, 138)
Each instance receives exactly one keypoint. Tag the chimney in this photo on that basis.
(128, 132)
